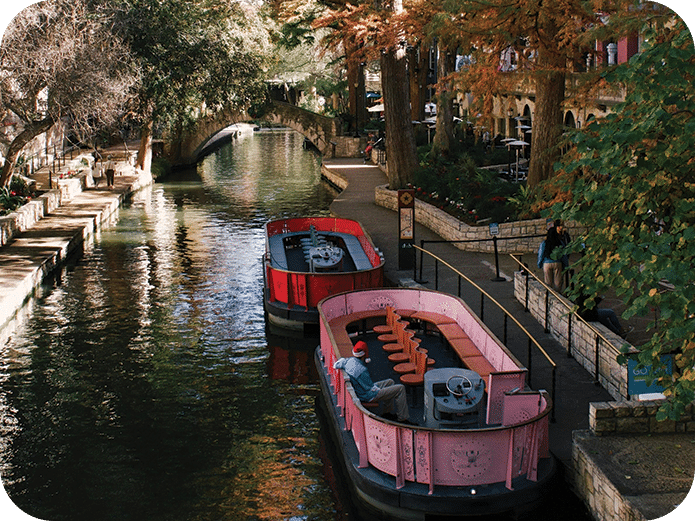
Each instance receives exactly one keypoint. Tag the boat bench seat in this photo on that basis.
(432, 318)
(340, 324)
(463, 346)
(278, 258)
(354, 248)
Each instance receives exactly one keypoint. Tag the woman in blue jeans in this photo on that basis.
(549, 259)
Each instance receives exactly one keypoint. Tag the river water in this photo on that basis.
(145, 386)
(145, 383)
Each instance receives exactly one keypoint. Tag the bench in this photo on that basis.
(276, 248)
(340, 324)
(354, 248)
(463, 346)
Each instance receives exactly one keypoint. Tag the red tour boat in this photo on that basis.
(309, 258)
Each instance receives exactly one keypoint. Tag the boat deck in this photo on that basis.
(380, 368)
(287, 251)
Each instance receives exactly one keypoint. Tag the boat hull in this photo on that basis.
(413, 501)
(480, 451)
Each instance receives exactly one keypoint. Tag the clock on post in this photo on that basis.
(406, 229)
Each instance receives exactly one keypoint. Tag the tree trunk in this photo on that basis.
(144, 161)
(444, 132)
(30, 132)
(401, 154)
(353, 73)
(547, 125)
(417, 72)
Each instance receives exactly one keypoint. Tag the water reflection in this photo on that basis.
(143, 386)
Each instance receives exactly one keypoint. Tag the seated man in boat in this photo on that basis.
(391, 394)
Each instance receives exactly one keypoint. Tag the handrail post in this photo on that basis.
(526, 274)
(569, 334)
(529, 361)
(553, 378)
(547, 311)
(436, 274)
(504, 334)
(422, 254)
(596, 360)
(459, 285)
(482, 307)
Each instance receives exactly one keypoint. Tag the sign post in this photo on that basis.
(406, 229)
(495, 231)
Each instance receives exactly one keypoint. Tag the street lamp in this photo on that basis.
(507, 142)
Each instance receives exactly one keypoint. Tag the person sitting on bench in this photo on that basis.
(387, 391)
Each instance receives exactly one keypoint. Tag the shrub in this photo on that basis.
(468, 193)
(14, 195)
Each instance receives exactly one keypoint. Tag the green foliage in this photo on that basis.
(635, 193)
(160, 167)
(460, 188)
(201, 55)
(14, 195)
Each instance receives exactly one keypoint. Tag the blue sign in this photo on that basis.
(637, 378)
(494, 229)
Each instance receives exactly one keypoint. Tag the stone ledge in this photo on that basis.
(451, 229)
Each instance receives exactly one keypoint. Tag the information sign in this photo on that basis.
(406, 229)
(637, 378)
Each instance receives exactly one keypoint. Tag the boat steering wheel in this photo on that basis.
(457, 390)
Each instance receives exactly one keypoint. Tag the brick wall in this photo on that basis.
(599, 493)
(634, 417)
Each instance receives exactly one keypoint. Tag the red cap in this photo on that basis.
(361, 350)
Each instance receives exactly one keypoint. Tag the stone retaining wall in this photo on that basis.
(27, 215)
(67, 188)
(598, 492)
(346, 146)
(554, 315)
(514, 237)
(636, 417)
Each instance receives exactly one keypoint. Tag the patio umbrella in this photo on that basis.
(518, 143)
(377, 108)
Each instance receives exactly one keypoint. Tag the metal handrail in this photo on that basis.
(507, 314)
(561, 299)
(572, 314)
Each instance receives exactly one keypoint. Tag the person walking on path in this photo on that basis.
(549, 259)
(110, 171)
(565, 239)
(386, 391)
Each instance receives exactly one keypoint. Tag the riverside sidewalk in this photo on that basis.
(639, 469)
(33, 254)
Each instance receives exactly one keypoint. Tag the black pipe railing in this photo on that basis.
(494, 240)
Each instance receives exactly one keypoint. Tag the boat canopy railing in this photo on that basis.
(507, 316)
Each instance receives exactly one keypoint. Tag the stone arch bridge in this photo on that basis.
(323, 132)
